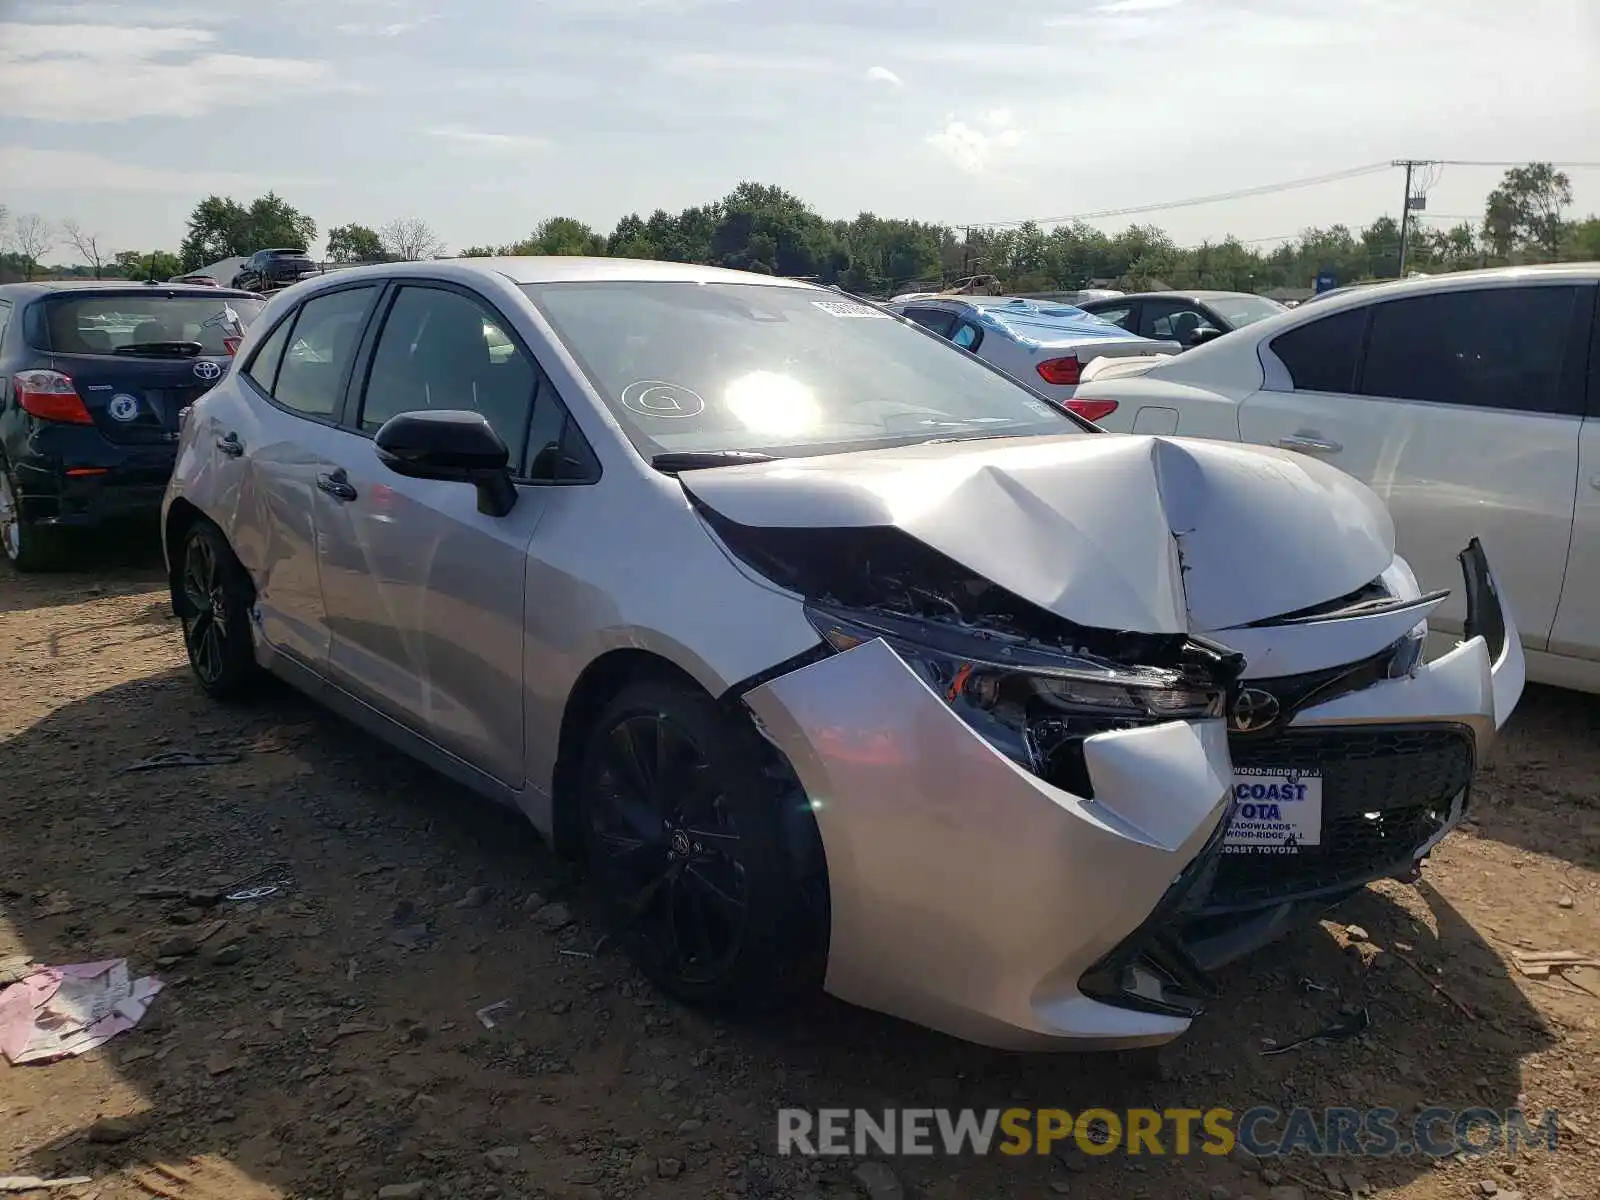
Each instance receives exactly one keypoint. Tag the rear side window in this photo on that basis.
(1495, 348)
(135, 323)
(1322, 355)
(5, 319)
(321, 346)
(1117, 316)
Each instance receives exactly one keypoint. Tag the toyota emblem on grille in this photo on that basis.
(1253, 709)
(207, 370)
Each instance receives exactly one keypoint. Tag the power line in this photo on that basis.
(1560, 166)
(1216, 198)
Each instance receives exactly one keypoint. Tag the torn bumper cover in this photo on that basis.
(971, 895)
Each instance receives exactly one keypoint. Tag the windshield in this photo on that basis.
(103, 324)
(779, 370)
(1239, 311)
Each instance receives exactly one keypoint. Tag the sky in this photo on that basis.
(483, 117)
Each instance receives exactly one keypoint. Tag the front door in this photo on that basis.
(1461, 409)
(424, 593)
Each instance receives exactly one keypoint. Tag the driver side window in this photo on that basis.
(440, 349)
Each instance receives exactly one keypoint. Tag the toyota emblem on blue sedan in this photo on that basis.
(207, 370)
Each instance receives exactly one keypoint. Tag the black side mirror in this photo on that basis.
(453, 445)
(1204, 334)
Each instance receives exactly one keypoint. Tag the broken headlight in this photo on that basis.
(1033, 703)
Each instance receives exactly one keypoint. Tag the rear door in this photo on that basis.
(1461, 408)
(299, 375)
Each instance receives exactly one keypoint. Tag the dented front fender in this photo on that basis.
(967, 894)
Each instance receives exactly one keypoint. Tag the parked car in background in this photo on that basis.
(1188, 318)
(93, 377)
(1469, 402)
(837, 656)
(1045, 345)
(269, 270)
(198, 280)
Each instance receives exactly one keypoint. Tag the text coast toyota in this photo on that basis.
(841, 659)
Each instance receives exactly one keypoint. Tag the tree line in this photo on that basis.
(758, 227)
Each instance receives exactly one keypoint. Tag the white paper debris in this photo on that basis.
(61, 1012)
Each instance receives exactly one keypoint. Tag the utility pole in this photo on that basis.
(1410, 164)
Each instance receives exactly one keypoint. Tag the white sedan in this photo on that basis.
(1470, 403)
(1043, 344)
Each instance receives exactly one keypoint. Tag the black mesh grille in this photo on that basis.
(1406, 776)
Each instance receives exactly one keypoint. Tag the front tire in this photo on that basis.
(27, 546)
(685, 836)
(216, 619)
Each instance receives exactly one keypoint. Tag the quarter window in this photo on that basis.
(942, 323)
(442, 350)
(263, 368)
(1321, 356)
(1491, 348)
(320, 348)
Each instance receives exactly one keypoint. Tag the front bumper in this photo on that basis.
(973, 897)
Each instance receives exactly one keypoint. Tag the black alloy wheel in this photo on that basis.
(216, 603)
(684, 839)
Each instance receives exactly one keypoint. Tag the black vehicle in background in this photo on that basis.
(93, 377)
(1188, 318)
(269, 270)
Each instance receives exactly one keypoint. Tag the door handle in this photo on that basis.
(337, 485)
(1308, 444)
(230, 445)
(1594, 482)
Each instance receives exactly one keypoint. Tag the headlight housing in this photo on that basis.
(1034, 704)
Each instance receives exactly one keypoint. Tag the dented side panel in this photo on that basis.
(968, 895)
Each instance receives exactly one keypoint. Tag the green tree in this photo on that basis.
(220, 227)
(560, 235)
(354, 243)
(1523, 215)
(146, 264)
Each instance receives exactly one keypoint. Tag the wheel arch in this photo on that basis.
(182, 516)
(605, 677)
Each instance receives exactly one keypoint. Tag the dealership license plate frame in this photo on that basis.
(1258, 793)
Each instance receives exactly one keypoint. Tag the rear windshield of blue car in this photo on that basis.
(106, 322)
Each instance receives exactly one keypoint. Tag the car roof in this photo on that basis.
(57, 287)
(1201, 294)
(570, 269)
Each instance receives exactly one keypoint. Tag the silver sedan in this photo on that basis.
(839, 658)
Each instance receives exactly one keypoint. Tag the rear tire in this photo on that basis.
(217, 598)
(684, 833)
(28, 547)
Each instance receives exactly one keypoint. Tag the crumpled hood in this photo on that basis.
(1144, 534)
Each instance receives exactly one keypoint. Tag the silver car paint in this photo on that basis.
(1147, 534)
(966, 893)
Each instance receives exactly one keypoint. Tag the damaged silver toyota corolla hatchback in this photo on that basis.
(839, 657)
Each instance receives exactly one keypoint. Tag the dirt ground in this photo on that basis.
(324, 1042)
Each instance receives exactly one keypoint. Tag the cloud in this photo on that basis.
(102, 73)
(1137, 6)
(884, 75)
(973, 147)
(708, 64)
(385, 29)
(66, 170)
(496, 143)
